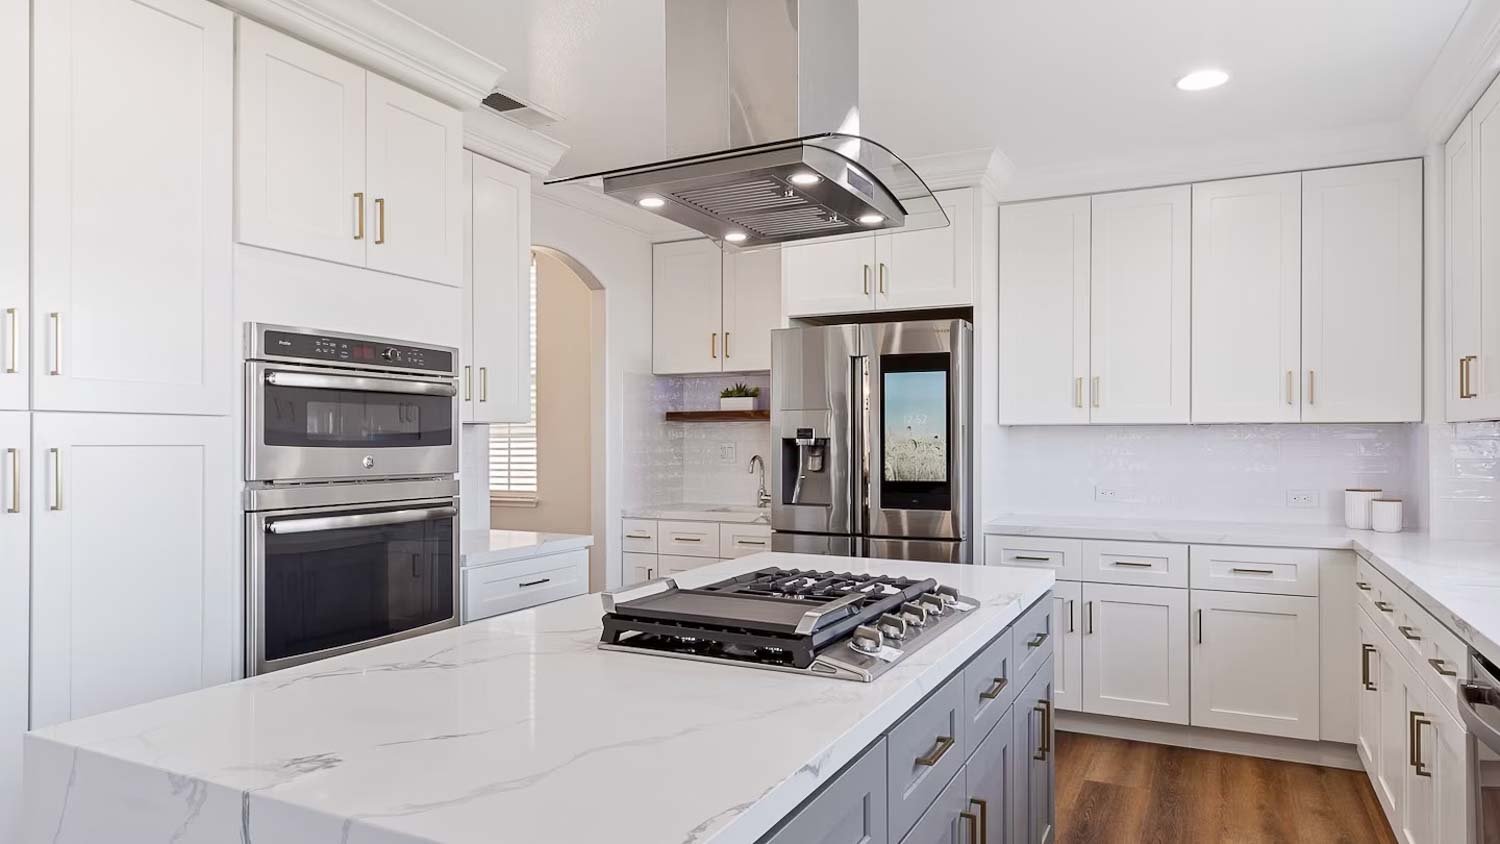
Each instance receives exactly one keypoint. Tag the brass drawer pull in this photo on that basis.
(1132, 564)
(380, 221)
(468, 382)
(984, 818)
(1418, 721)
(1438, 666)
(526, 583)
(1240, 570)
(1037, 640)
(1044, 707)
(1094, 393)
(484, 383)
(726, 345)
(687, 539)
(973, 826)
(1384, 607)
(15, 480)
(994, 690)
(937, 752)
(1362, 586)
(1311, 381)
(1407, 632)
(359, 215)
(867, 279)
(1032, 559)
(1364, 666)
(11, 367)
(1466, 377)
(1078, 392)
(637, 536)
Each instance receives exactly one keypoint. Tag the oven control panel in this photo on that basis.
(343, 349)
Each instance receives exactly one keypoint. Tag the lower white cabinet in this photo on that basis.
(1135, 662)
(15, 571)
(134, 560)
(639, 568)
(1067, 653)
(506, 587)
(1255, 663)
(670, 564)
(685, 545)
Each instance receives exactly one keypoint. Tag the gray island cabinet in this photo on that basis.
(971, 763)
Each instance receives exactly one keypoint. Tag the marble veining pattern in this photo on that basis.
(517, 728)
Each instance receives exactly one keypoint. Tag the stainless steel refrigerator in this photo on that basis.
(871, 447)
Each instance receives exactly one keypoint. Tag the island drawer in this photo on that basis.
(1063, 556)
(1031, 639)
(1136, 563)
(944, 821)
(851, 807)
(506, 587)
(639, 536)
(690, 539)
(988, 690)
(924, 750)
(743, 540)
(1233, 568)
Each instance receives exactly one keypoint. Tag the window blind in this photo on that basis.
(513, 448)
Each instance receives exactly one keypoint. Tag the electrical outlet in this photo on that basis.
(1104, 493)
(1304, 498)
(726, 453)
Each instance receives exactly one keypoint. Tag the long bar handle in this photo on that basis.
(973, 820)
(1466, 377)
(867, 279)
(882, 278)
(996, 687)
(484, 383)
(359, 215)
(1094, 392)
(1439, 665)
(1089, 608)
(1418, 721)
(1045, 745)
(56, 319)
(1200, 627)
(1290, 399)
(319, 381)
(938, 751)
(726, 345)
(713, 345)
(13, 363)
(1071, 627)
(1364, 666)
(57, 479)
(379, 221)
(15, 480)
(468, 382)
(1247, 570)
(1407, 632)
(1032, 559)
(1311, 383)
(1134, 564)
(984, 818)
(283, 527)
(1078, 391)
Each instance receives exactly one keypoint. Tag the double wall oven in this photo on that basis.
(351, 501)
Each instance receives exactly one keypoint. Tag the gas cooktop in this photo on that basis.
(842, 625)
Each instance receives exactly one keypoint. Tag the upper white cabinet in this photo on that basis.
(340, 164)
(1044, 312)
(713, 311)
(15, 605)
(131, 211)
(1138, 305)
(15, 205)
(1472, 365)
(1362, 293)
(497, 271)
(902, 270)
(1247, 246)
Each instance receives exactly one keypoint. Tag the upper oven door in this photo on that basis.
(314, 423)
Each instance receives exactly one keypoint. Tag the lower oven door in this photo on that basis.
(327, 581)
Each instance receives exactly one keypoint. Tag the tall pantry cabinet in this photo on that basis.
(1472, 364)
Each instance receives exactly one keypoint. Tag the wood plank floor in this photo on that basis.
(1110, 790)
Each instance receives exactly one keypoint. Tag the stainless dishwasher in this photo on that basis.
(1479, 704)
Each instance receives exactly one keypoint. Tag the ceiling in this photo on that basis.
(1055, 84)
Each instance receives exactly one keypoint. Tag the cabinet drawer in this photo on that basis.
(1277, 571)
(507, 587)
(742, 540)
(1063, 556)
(671, 564)
(1378, 595)
(988, 690)
(690, 539)
(849, 808)
(1136, 563)
(639, 536)
(943, 822)
(1031, 639)
(924, 751)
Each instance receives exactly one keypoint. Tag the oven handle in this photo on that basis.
(316, 381)
(397, 517)
(1469, 694)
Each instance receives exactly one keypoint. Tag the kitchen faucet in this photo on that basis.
(762, 498)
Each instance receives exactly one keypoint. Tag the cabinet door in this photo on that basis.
(1044, 312)
(686, 307)
(301, 155)
(1139, 306)
(1437, 773)
(1367, 730)
(1484, 373)
(677, 564)
(1247, 299)
(15, 632)
(639, 568)
(991, 773)
(414, 147)
(1255, 663)
(131, 215)
(1461, 262)
(933, 267)
(497, 376)
(752, 308)
(1067, 655)
(134, 560)
(1135, 660)
(850, 809)
(1394, 684)
(829, 278)
(15, 206)
(1362, 293)
(1033, 804)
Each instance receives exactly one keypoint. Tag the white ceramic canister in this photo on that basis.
(1385, 515)
(1357, 507)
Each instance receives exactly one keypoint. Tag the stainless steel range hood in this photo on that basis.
(763, 129)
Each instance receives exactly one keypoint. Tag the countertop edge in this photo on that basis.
(555, 544)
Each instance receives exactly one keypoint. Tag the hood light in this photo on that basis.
(1202, 80)
(651, 202)
(736, 237)
(871, 219)
(805, 178)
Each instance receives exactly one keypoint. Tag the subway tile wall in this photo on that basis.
(1464, 479)
(701, 462)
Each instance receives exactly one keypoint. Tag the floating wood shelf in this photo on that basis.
(718, 416)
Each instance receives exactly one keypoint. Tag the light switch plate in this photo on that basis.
(726, 453)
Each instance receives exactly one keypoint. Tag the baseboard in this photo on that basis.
(1330, 754)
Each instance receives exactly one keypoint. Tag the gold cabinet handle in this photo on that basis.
(726, 345)
(1045, 744)
(380, 221)
(15, 480)
(1417, 722)
(56, 319)
(57, 480)
(1247, 570)
(1407, 632)
(1037, 640)
(1132, 564)
(994, 690)
(1384, 607)
(637, 536)
(1290, 399)
(867, 279)
(1364, 666)
(883, 274)
(938, 751)
(1362, 586)
(1311, 383)
(1078, 392)
(1466, 377)
(1094, 393)
(973, 826)
(484, 383)
(15, 348)
(1438, 666)
(468, 382)
(984, 818)
(359, 215)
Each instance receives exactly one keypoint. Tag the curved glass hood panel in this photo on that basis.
(822, 185)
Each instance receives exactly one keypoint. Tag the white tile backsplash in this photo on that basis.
(1464, 478)
(684, 461)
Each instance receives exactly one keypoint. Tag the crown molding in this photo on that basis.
(377, 37)
(987, 167)
(1468, 62)
(508, 142)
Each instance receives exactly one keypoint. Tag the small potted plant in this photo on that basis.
(738, 397)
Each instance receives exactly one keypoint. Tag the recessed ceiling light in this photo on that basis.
(1202, 80)
(871, 219)
(736, 237)
(805, 178)
(651, 202)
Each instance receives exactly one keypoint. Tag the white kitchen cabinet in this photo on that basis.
(1368, 735)
(131, 211)
(1139, 306)
(751, 308)
(1067, 653)
(1254, 663)
(15, 606)
(497, 272)
(677, 564)
(1472, 365)
(15, 206)
(340, 164)
(1461, 264)
(1135, 660)
(1436, 776)
(134, 560)
(1247, 299)
(639, 568)
(1043, 331)
(828, 277)
(1362, 293)
(301, 138)
(686, 307)
(413, 145)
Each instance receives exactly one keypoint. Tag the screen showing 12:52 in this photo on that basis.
(916, 426)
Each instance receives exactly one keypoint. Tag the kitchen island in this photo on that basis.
(520, 728)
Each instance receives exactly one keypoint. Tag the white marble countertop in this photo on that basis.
(746, 514)
(517, 728)
(1458, 581)
(488, 547)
